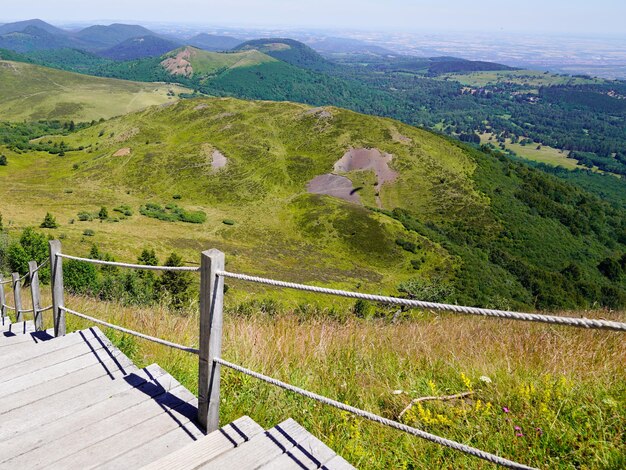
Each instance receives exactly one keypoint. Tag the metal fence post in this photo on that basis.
(56, 281)
(17, 296)
(3, 301)
(211, 318)
(35, 295)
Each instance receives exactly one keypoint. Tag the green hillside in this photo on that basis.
(289, 51)
(482, 229)
(193, 62)
(29, 92)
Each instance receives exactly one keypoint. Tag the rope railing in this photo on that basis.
(8, 306)
(130, 265)
(378, 419)
(558, 320)
(42, 265)
(131, 332)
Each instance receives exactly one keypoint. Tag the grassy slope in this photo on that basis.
(274, 149)
(209, 63)
(563, 387)
(30, 92)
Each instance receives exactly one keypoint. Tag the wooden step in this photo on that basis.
(12, 333)
(96, 444)
(202, 451)
(286, 438)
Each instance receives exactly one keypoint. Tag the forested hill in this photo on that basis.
(584, 118)
(427, 215)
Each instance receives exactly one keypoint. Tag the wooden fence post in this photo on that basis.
(17, 296)
(3, 301)
(56, 281)
(35, 295)
(211, 317)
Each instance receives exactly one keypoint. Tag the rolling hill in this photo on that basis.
(290, 51)
(32, 93)
(358, 200)
(33, 38)
(106, 36)
(20, 26)
(139, 48)
(213, 42)
(193, 62)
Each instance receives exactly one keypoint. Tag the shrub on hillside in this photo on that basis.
(172, 213)
(31, 246)
(49, 221)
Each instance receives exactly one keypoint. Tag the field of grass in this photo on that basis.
(30, 92)
(528, 78)
(545, 396)
(545, 154)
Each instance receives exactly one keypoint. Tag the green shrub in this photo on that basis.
(80, 277)
(3, 160)
(172, 213)
(125, 210)
(49, 221)
(88, 232)
(177, 196)
(228, 222)
(85, 216)
(428, 291)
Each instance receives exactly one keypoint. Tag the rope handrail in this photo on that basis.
(30, 310)
(7, 281)
(132, 332)
(45, 309)
(378, 419)
(554, 319)
(42, 265)
(8, 306)
(130, 265)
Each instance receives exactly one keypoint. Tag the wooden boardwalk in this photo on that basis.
(78, 402)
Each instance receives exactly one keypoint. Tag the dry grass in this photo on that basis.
(565, 387)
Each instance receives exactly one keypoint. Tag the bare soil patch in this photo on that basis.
(334, 185)
(368, 159)
(179, 64)
(218, 160)
(323, 113)
(124, 152)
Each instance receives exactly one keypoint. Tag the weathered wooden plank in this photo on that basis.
(37, 444)
(310, 454)
(17, 296)
(39, 345)
(42, 391)
(56, 281)
(33, 273)
(261, 449)
(168, 411)
(15, 332)
(67, 359)
(3, 301)
(337, 463)
(208, 447)
(211, 319)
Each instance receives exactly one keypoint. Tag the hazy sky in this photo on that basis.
(573, 16)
